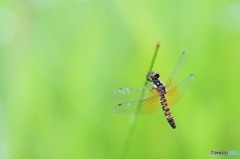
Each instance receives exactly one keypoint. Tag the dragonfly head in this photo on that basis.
(154, 75)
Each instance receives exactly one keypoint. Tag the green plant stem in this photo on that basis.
(154, 57)
(134, 119)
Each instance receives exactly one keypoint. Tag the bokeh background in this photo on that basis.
(61, 60)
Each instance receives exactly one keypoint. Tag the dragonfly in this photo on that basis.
(155, 94)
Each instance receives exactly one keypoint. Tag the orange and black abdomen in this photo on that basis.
(162, 92)
(167, 112)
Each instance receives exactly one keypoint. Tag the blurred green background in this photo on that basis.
(61, 60)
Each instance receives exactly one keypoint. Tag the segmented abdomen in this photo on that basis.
(167, 111)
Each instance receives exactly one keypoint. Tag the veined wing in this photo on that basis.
(132, 103)
(147, 105)
(176, 92)
(173, 78)
(132, 94)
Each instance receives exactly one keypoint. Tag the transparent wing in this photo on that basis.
(131, 104)
(131, 94)
(176, 92)
(173, 78)
(142, 106)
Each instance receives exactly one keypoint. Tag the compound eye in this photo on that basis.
(154, 75)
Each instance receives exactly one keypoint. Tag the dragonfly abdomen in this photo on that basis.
(167, 112)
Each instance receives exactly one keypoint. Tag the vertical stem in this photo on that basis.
(134, 117)
(154, 57)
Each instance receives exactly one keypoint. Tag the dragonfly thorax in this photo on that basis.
(158, 85)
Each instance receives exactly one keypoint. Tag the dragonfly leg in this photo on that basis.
(149, 86)
(147, 77)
